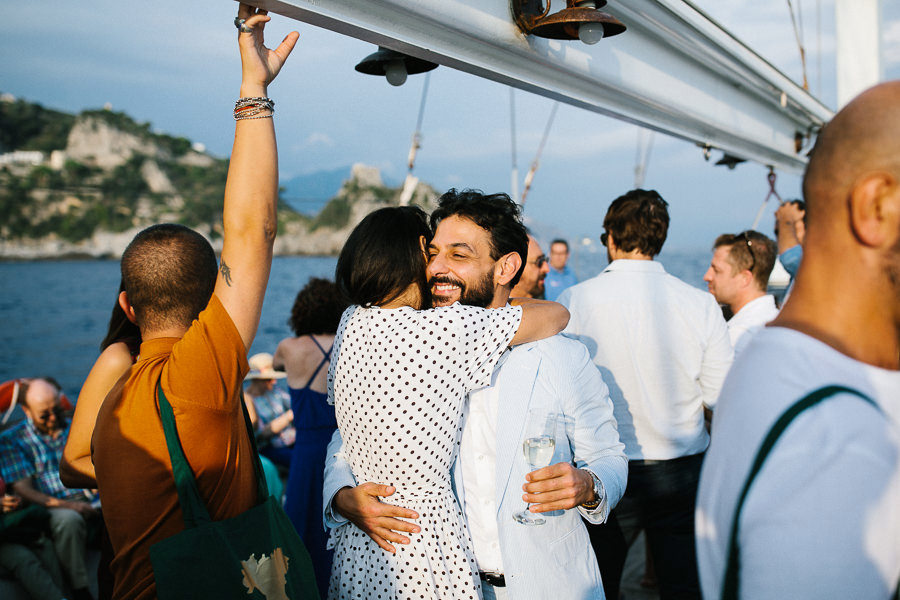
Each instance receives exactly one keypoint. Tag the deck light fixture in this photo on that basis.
(393, 65)
(581, 19)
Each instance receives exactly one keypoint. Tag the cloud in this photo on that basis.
(318, 139)
(891, 44)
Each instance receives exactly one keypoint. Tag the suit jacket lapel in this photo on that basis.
(515, 384)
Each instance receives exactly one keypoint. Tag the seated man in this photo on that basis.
(29, 460)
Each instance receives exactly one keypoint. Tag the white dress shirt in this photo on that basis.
(752, 317)
(478, 461)
(661, 346)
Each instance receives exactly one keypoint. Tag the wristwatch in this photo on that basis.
(598, 492)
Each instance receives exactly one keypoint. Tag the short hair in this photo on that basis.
(317, 308)
(638, 220)
(560, 241)
(169, 273)
(750, 250)
(497, 214)
(383, 256)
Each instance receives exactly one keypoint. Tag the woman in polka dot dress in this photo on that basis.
(398, 378)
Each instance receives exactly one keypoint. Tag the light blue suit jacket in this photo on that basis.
(554, 560)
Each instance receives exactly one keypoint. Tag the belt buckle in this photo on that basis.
(493, 578)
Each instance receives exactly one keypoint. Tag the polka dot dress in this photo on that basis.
(398, 380)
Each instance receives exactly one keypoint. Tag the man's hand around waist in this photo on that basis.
(362, 506)
(559, 486)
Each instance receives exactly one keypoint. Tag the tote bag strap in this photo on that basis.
(731, 582)
(192, 508)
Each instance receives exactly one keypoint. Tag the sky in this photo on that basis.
(176, 65)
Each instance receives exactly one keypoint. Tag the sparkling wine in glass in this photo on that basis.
(538, 447)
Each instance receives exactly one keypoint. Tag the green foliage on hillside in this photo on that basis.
(28, 126)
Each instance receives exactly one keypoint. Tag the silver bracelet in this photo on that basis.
(251, 108)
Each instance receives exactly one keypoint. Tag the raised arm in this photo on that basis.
(251, 191)
(540, 319)
(76, 470)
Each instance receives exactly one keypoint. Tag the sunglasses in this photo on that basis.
(539, 261)
(603, 237)
(743, 235)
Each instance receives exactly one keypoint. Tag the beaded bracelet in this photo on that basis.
(252, 108)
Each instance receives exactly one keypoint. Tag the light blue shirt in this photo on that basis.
(557, 281)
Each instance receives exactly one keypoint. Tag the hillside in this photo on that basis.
(84, 184)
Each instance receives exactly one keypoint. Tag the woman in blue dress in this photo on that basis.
(305, 359)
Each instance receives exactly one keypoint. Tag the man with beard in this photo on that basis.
(531, 283)
(475, 236)
(822, 516)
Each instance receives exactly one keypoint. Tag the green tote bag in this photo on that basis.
(256, 555)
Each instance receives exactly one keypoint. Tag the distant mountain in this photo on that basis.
(309, 193)
(85, 184)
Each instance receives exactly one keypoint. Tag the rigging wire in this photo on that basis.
(642, 155)
(514, 174)
(529, 178)
(798, 34)
(819, 48)
(409, 185)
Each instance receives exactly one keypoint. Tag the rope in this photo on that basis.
(798, 34)
(537, 157)
(771, 177)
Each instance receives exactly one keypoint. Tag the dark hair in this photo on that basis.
(120, 328)
(750, 250)
(317, 308)
(383, 256)
(560, 241)
(638, 220)
(169, 273)
(497, 214)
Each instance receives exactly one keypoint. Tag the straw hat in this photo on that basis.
(261, 368)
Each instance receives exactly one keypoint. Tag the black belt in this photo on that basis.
(494, 579)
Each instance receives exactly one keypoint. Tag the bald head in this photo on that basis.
(863, 137)
(42, 405)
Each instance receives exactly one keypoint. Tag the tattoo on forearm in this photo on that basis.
(226, 273)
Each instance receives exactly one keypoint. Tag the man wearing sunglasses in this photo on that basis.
(663, 349)
(531, 282)
(29, 461)
(738, 276)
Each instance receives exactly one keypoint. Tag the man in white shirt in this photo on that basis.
(822, 516)
(476, 240)
(738, 276)
(663, 349)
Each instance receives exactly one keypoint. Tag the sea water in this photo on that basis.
(54, 314)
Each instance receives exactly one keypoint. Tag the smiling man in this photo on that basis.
(738, 275)
(531, 283)
(475, 258)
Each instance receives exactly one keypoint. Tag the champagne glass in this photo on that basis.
(538, 447)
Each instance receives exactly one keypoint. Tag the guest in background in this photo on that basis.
(738, 277)
(790, 230)
(531, 282)
(560, 275)
(270, 410)
(314, 320)
(26, 552)
(30, 454)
